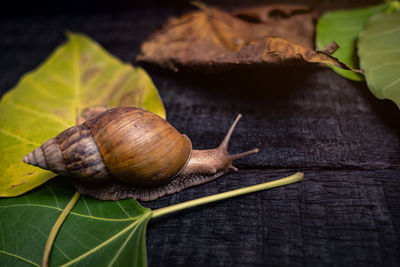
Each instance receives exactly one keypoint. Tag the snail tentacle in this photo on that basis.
(210, 161)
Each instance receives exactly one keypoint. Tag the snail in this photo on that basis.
(127, 152)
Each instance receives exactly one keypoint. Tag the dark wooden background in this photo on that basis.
(346, 212)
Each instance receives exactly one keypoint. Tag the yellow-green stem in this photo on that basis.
(246, 190)
(56, 228)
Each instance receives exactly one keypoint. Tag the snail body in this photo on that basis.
(129, 152)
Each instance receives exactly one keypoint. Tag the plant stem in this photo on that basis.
(246, 190)
(56, 228)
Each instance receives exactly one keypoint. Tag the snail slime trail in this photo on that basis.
(128, 152)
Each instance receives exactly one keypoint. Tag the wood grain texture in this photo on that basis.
(345, 213)
(336, 217)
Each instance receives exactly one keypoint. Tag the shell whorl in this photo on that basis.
(138, 147)
(48, 156)
(72, 152)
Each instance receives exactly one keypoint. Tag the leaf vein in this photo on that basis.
(383, 65)
(87, 207)
(19, 257)
(55, 197)
(15, 136)
(378, 53)
(116, 76)
(56, 77)
(43, 91)
(45, 238)
(382, 33)
(2, 236)
(77, 81)
(73, 213)
(30, 205)
(93, 250)
(39, 113)
(71, 235)
(123, 245)
(390, 85)
(127, 214)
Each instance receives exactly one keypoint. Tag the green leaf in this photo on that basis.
(96, 233)
(379, 52)
(343, 28)
(78, 74)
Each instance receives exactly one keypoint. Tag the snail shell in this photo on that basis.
(129, 152)
(129, 144)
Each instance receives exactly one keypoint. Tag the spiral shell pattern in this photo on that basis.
(72, 152)
(48, 156)
(129, 144)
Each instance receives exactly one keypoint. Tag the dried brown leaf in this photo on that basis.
(214, 40)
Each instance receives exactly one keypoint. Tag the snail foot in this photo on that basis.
(115, 190)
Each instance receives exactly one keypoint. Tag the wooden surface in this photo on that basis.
(346, 212)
